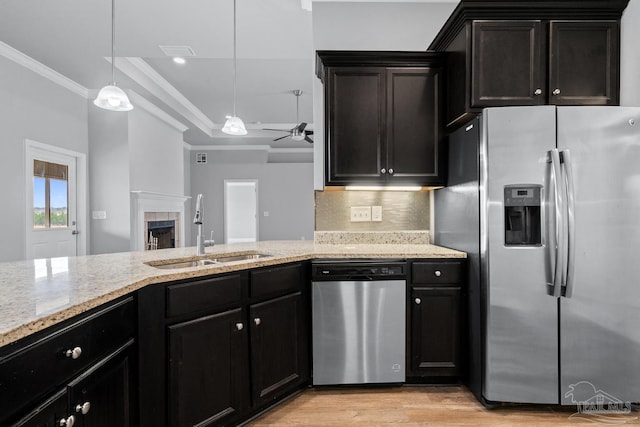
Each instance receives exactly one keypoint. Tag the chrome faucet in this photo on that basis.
(197, 220)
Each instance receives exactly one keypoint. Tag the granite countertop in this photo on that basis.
(36, 294)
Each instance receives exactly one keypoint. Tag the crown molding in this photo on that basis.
(144, 75)
(41, 69)
(140, 101)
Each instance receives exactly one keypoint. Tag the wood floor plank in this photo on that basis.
(419, 407)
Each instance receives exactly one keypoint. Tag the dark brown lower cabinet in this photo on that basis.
(208, 383)
(102, 396)
(435, 336)
(278, 362)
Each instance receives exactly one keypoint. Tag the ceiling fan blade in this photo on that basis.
(301, 127)
(279, 130)
(282, 137)
(309, 140)
(308, 132)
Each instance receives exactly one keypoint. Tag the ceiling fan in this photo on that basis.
(298, 132)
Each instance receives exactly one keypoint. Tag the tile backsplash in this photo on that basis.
(401, 210)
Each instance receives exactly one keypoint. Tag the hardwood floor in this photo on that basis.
(420, 406)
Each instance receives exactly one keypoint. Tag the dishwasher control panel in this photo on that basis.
(361, 270)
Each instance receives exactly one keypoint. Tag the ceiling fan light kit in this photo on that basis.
(297, 133)
(111, 97)
(234, 125)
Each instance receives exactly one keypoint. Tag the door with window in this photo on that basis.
(51, 204)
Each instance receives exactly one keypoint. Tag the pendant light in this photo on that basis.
(234, 125)
(111, 97)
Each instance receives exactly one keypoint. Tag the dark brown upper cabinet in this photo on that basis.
(383, 117)
(505, 53)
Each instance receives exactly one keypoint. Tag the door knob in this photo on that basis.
(538, 92)
(391, 171)
(418, 301)
(383, 170)
(257, 321)
(239, 326)
(556, 91)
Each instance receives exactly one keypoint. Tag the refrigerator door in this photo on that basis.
(521, 343)
(599, 333)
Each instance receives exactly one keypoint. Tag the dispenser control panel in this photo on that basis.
(522, 220)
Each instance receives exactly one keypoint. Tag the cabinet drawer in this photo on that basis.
(436, 272)
(276, 280)
(203, 295)
(35, 370)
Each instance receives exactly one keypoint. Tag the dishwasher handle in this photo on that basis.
(360, 278)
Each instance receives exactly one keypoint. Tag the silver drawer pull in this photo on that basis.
(418, 301)
(73, 353)
(437, 273)
(67, 422)
(257, 321)
(239, 326)
(84, 408)
(538, 92)
(556, 91)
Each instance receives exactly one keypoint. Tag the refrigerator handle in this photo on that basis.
(558, 195)
(571, 234)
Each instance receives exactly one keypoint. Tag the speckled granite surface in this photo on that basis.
(372, 237)
(36, 294)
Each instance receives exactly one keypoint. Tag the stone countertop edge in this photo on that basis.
(37, 294)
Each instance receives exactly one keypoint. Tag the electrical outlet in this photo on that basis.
(360, 213)
(376, 213)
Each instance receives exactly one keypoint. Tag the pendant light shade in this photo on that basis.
(111, 97)
(234, 124)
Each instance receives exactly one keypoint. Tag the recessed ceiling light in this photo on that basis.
(179, 60)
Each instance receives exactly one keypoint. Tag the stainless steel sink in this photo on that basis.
(210, 260)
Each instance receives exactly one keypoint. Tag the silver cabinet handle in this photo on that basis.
(84, 408)
(257, 321)
(383, 170)
(437, 273)
(239, 326)
(73, 353)
(418, 301)
(67, 422)
(538, 92)
(391, 171)
(556, 92)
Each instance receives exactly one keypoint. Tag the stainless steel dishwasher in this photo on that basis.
(358, 321)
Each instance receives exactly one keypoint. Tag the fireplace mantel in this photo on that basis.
(146, 201)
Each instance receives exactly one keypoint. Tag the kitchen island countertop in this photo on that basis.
(36, 294)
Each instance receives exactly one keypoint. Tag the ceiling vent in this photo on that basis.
(201, 158)
(180, 51)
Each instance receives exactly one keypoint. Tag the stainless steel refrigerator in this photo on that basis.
(546, 202)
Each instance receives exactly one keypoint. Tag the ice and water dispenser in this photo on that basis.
(522, 221)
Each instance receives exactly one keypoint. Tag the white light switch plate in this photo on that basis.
(376, 213)
(99, 214)
(360, 213)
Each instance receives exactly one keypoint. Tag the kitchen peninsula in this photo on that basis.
(50, 295)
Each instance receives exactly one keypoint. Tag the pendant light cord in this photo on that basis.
(234, 59)
(113, 41)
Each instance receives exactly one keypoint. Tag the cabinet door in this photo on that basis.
(583, 63)
(435, 331)
(278, 347)
(414, 125)
(103, 395)
(508, 66)
(355, 124)
(53, 413)
(208, 383)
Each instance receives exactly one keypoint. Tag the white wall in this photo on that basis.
(37, 109)
(630, 55)
(285, 190)
(368, 26)
(129, 151)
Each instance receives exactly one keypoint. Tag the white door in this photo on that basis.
(51, 216)
(240, 211)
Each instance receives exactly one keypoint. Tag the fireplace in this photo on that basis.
(158, 215)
